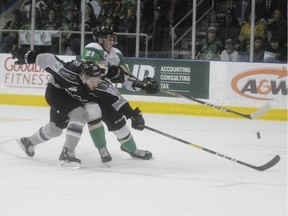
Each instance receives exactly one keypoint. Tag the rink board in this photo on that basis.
(160, 107)
(242, 87)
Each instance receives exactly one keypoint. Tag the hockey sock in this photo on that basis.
(78, 119)
(126, 139)
(128, 144)
(97, 134)
(73, 135)
(45, 133)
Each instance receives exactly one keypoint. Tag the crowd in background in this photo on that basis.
(225, 39)
(270, 33)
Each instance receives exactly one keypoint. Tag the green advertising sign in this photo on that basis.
(185, 77)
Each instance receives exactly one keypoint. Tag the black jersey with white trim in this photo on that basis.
(65, 75)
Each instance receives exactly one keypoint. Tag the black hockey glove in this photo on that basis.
(23, 56)
(115, 74)
(137, 120)
(150, 86)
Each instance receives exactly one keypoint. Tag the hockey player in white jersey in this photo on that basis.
(103, 51)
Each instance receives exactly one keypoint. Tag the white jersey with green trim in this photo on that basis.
(95, 52)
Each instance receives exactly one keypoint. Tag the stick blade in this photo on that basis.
(261, 111)
(268, 165)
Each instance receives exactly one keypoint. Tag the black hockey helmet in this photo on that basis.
(103, 32)
(90, 69)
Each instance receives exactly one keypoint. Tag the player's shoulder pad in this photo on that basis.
(94, 45)
(117, 51)
(73, 66)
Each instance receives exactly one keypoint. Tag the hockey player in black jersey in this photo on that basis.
(75, 94)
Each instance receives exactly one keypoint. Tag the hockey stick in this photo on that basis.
(266, 166)
(254, 115)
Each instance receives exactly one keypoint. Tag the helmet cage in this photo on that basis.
(89, 69)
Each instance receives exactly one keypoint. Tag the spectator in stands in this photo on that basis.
(108, 21)
(111, 8)
(56, 5)
(232, 27)
(229, 54)
(27, 26)
(9, 40)
(96, 4)
(70, 4)
(27, 21)
(51, 23)
(259, 50)
(131, 16)
(244, 36)
(25, 8)
(42, 6)
(277, 26)
(69, 24)
(211, 47)
(265, 9)
(242, 10)
(26, 5)
(90, 22)
(275, 51)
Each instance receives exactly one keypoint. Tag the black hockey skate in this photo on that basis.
(68, 159)
(26, 146)
(105, 155)
(142, 154)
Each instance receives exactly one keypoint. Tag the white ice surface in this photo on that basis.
(180, 180)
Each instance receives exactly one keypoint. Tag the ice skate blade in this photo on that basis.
(20, 144)
(18, 140)
(136, 158)
(68, 165)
